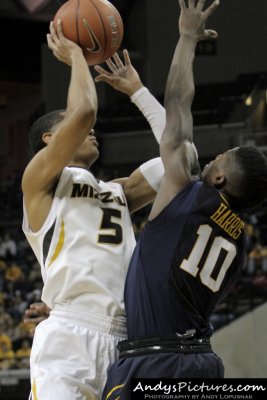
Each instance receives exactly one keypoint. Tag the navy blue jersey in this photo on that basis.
(184, 263)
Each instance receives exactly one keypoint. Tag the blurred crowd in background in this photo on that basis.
(21, 281)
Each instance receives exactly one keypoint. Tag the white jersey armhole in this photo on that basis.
(52, 213)
(47, 223)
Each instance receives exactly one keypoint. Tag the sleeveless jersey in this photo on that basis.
(185, 261)
(85, 245)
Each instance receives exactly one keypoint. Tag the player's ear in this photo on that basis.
(46, 137)
(219, 179)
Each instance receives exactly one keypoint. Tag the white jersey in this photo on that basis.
(85, 245)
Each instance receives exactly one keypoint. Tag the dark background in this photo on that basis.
(229, 109)
(227, 71)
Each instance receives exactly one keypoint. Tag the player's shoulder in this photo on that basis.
(221, 215)
(210, 197)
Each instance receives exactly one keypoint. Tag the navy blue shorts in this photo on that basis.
(162, 365)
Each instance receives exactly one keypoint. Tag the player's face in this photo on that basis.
(88, 150)
(214, 172)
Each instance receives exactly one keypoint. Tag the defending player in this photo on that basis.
(80, 231)
(193, 247)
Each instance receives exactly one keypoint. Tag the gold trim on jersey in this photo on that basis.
(59, 243)
(113, 390)
(222, 196)
(34, 394)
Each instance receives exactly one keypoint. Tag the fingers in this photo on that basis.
(103, 74)
(127, 59)
(101, 70)
(59, 29)
(31, 313)
(49, 41)
(209, 33)
(34, 321)
(106, 78)
(210, 10)
(200, 5)
(36, 309)
(38, 304)
(56, 33)
(182, 5)
(111, 65)
(116, 65)
(52, 37)
(191, 3)
(53, 30)
(118, 61)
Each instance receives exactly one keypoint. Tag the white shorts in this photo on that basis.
(71, 354)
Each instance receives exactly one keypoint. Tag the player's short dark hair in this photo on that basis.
(251, 179)
(42, 125)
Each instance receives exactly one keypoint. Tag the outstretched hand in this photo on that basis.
(192, 19)
(122, 76)
(61, 47)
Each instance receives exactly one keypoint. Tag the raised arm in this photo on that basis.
(43, 170)
(123, 77)
(177, 152)
(141, 186)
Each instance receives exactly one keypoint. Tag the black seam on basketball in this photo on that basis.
(77, 23)
(105, 50)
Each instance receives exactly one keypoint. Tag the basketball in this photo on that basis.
(95, 25)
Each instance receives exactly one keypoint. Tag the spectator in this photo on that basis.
(7, 356)
(8, 247)
(23, 354)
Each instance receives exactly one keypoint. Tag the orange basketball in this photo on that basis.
(95, 25)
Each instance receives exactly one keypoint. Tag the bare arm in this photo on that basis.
(137, 190)
(43, 170)
(180, 90)
(123, 77)
(178, 154)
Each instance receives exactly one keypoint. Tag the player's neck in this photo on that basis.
(79, 164)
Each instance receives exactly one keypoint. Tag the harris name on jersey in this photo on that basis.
(227, 220)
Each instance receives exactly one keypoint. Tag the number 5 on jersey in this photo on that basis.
(114, 236)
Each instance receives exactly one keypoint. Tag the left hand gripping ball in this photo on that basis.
(95, 25)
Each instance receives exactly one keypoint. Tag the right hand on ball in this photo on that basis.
(122, 76)
(63, 49)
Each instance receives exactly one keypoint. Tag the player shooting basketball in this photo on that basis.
(80, 231)
(193, 247)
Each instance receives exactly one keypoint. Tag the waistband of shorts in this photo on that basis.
(168, 344)
(102, 323)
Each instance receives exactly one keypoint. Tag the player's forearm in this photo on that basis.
(151, 109)
(180, 82)
(180, 91)
(82, 92)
